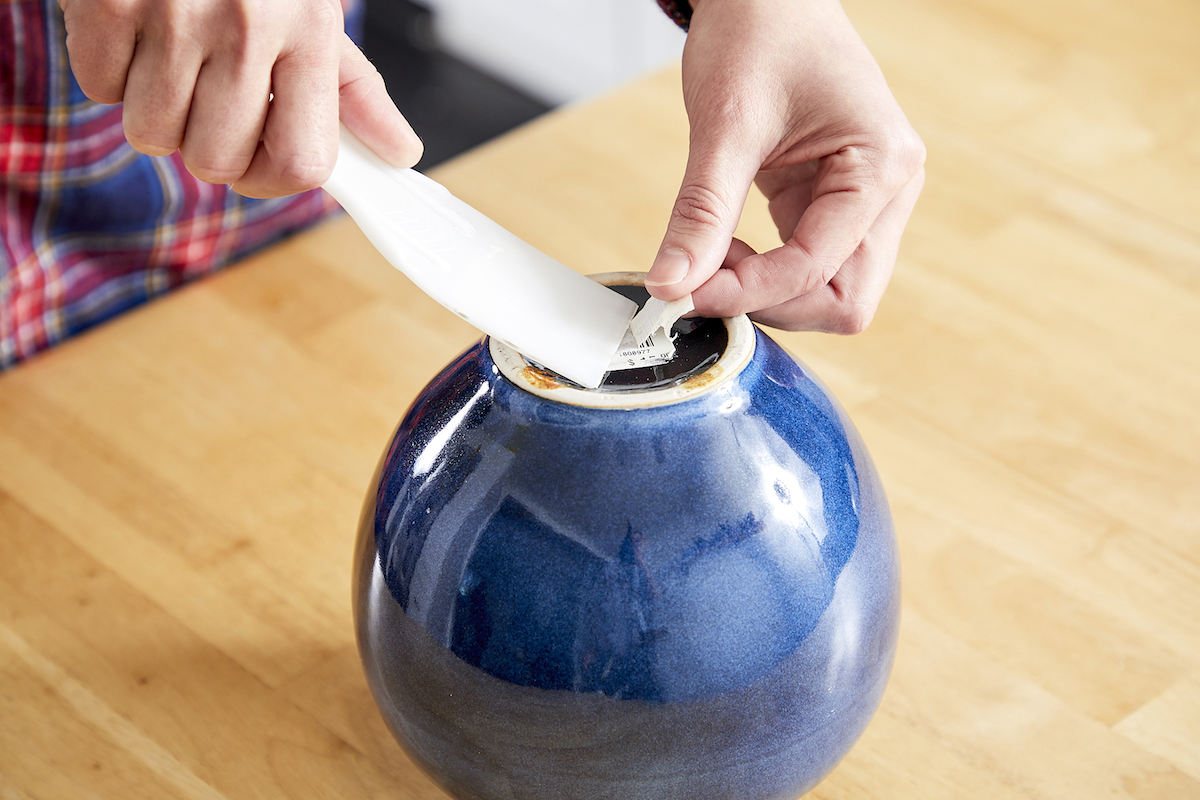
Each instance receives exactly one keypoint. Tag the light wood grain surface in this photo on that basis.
(179, 488)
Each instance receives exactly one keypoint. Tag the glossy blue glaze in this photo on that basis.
(694, 600)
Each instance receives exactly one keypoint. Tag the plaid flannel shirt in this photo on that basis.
(88, 226)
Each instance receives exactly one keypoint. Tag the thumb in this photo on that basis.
(707, 209)
(368, 111)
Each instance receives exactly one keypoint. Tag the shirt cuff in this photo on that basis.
(678, 10)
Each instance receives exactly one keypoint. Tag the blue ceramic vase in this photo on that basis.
(681, 585)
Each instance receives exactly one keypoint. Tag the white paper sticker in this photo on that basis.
(658, 349)
(658, 314)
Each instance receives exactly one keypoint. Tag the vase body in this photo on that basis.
(688, 596)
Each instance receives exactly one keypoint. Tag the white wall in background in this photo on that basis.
(558, 50)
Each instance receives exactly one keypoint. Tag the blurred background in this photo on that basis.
(464, 71)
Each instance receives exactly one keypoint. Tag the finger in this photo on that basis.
(100, 45)
(367, 110)
(226, 118)
(706, 212)
(850, 194)
(738, 250)
(158, 92)
(299, 138)
(789, 193)
(847, 304)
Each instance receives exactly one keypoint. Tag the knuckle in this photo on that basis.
(852, 318)
(883, 164)
(812, 277)
(909, 153)
(698, 207)
(899, 158)
(728, 114)
(328, 14)
(362, 85)
(322, 22)
(303, 172)
(861, 169)
(723, 110)
(751, 283)
(824, 273)
(806, 282)
(176, 27)
(239, 28)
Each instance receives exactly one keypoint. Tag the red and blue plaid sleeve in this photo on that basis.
(89, 226)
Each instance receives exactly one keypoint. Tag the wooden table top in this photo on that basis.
(179, 488)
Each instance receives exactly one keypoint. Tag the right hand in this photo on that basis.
(249, 91)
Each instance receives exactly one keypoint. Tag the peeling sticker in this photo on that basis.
(632, 354)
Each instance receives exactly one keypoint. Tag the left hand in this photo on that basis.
(788, 96)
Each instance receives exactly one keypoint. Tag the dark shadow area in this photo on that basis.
(451, 105)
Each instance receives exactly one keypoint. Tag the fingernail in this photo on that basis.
(669, 268)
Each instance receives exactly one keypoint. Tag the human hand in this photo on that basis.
(788, 96)
(249, 91)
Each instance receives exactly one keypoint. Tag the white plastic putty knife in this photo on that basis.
(500, 284)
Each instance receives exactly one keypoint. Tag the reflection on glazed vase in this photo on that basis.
(681, 585)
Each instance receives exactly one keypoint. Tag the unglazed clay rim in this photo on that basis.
(738, 351)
